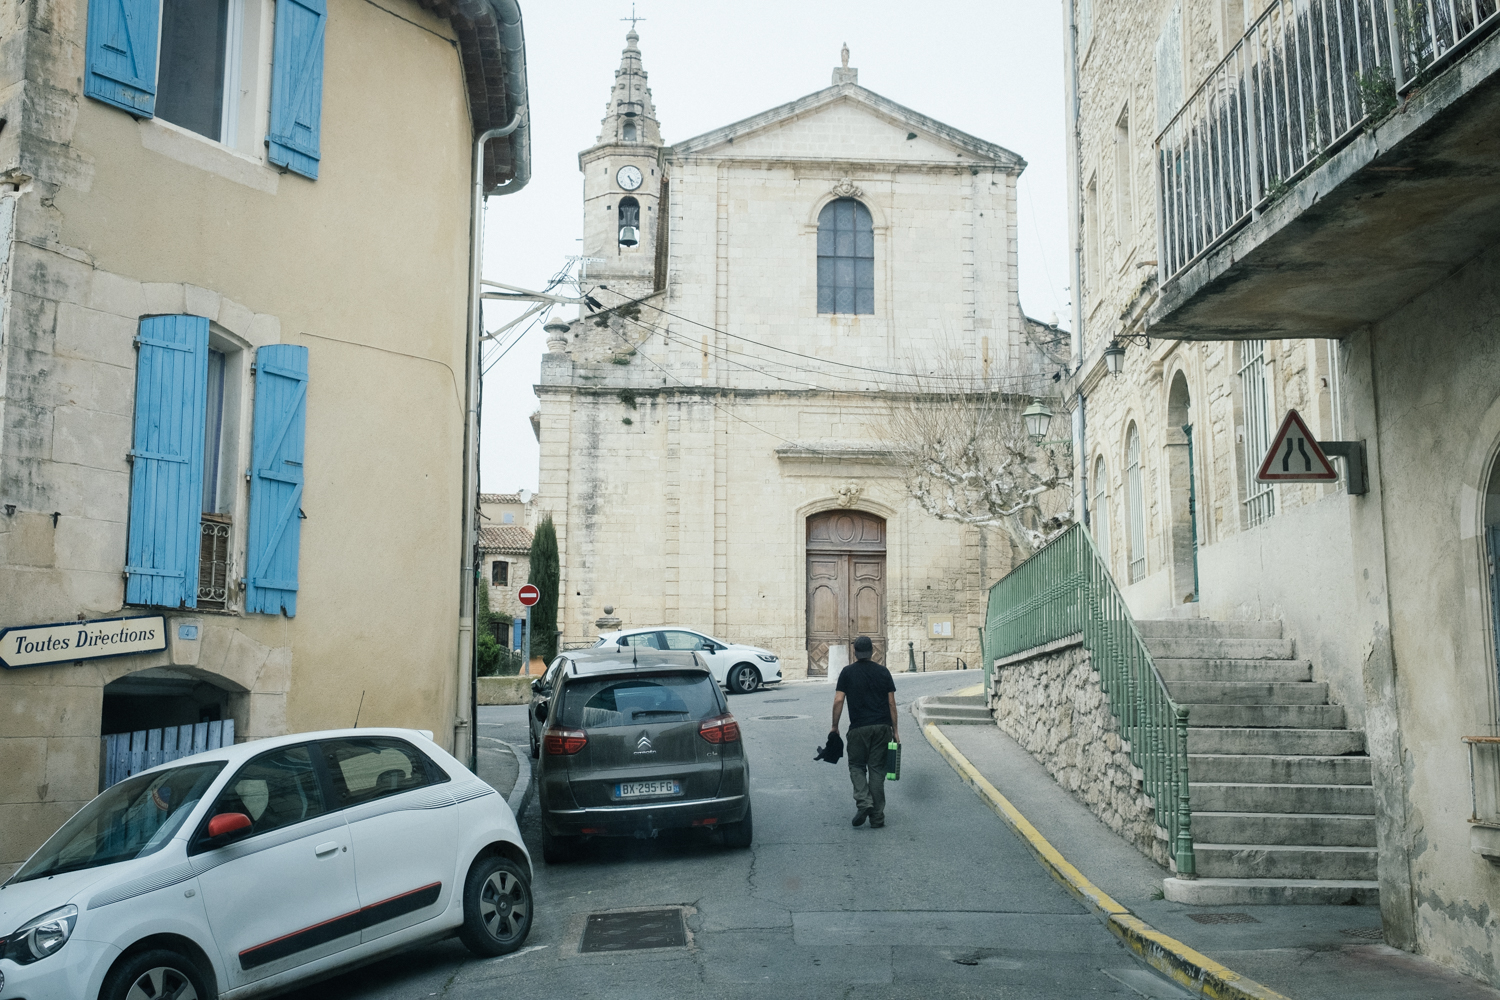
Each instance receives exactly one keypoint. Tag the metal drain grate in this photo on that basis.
(634, 930)
(1364, 933)
(1223, 918)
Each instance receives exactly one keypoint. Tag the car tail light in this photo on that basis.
(720, 729)
(564, 741)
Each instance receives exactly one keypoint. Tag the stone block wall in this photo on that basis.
(1053, 705)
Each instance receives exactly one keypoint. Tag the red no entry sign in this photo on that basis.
(529, 595)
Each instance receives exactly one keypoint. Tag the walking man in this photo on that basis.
(871, 693)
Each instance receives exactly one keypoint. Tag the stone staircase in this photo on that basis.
(953, 710)
(1283, 808)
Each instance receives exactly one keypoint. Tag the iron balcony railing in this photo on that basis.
(1302, 81)
(1065, 590)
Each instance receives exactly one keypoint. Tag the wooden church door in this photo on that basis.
(845, 587)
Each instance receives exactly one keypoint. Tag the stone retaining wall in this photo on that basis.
(1053, 705)
(504, 690)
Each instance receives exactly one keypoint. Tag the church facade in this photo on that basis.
(714, 437)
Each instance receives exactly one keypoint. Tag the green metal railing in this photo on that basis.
(1065, 590)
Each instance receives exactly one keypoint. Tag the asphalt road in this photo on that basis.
(944, 901)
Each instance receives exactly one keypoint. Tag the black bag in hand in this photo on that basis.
(833, 751)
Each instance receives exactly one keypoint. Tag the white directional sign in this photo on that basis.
(64, 642)
(1295, 456)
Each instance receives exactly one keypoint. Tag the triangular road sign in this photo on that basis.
(1295, 456)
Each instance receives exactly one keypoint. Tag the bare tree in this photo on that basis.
(961, 445)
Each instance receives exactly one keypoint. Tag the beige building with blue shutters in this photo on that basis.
(232, 406)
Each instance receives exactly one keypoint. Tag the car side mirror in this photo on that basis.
(536, 684)
(227, 824)
(541, 711)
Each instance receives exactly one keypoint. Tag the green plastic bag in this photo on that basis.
(893, 761)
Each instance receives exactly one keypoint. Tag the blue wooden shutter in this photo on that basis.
(166, 477)
(121, 54)
(297, 85)
(276, 479)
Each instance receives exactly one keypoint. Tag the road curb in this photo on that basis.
(520, 795)
(1185, 966)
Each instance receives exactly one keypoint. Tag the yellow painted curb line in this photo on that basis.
(1182, 964)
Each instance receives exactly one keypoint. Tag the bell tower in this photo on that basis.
(622, 184)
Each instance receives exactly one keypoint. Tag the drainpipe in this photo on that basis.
(468, 680)
(1075, 264)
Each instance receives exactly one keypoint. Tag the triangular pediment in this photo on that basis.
(847, 122)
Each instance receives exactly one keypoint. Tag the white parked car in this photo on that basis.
(739, 668)
(247, 870)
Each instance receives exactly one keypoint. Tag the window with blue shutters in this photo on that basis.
(276, 479)
(120, 53)
(297, 85)
(166, 478)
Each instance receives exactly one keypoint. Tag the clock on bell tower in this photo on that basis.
(623, 185)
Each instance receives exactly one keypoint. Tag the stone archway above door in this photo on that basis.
(845, 586)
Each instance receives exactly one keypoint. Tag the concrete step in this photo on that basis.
(1196, 692)
(1325, 742)
(1284, 861)
(1270, 891)
(1211, 649)
(1277, 769)
(958, 701)
(1266, 716)
(1206, 628)
(1330, 830)
(1270, 671)
(1215, 796)
(957, 717)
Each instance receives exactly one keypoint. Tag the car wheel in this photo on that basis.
(536, 748)
(157, 974)
(739, 835)
(744, 678)
(558, 850)
(497, 907)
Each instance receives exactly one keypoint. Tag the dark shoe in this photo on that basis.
(876, 824)
(859, 816)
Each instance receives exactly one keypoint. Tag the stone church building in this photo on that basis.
(714, 445)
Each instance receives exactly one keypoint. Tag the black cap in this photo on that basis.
(863, 646)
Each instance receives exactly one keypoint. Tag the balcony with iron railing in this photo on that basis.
(1337, 161)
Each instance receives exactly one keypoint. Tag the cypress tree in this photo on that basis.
(546, 576)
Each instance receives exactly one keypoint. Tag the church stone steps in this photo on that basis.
(1267, 716)
(1234, 739)
(1232, 670)
(1297, 769)
(1239, 796)
(1284, 861)
(1206, 628)
(1238, 649)
(1250, 692)
(1327, 829)
(1272, 891)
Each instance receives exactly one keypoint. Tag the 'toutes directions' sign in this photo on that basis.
(528, 595)
(64, 642)
(1295, 456)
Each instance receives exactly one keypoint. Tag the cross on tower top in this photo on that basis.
(632, 18)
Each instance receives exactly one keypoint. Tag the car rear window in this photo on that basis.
(610, 702)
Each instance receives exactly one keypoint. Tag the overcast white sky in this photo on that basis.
(993, 69)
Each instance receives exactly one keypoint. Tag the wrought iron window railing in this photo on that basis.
(1302, 81)
(1066, 590)
(213, 561)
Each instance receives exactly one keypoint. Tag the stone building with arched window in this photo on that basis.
(713, 446)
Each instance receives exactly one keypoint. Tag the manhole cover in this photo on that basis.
(772, 701)
(1364, 933)
(777, 718)
(1223, 918)
(634, 930)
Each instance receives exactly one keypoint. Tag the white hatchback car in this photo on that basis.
(739, 668)
(250, 869)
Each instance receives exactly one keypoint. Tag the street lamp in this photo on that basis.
(1038, 417)
(1114, 357)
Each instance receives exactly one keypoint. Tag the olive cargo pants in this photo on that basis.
(866, 746)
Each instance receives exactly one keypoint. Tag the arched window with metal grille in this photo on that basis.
(1135, 505)
(846, 258)
(1099, 521)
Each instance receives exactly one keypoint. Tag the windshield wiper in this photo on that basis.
(657, 711)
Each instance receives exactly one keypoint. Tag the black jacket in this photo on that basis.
(833, 751)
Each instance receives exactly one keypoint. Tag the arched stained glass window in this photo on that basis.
(846, 258)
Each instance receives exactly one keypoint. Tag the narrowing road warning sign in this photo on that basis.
(1295, 456)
